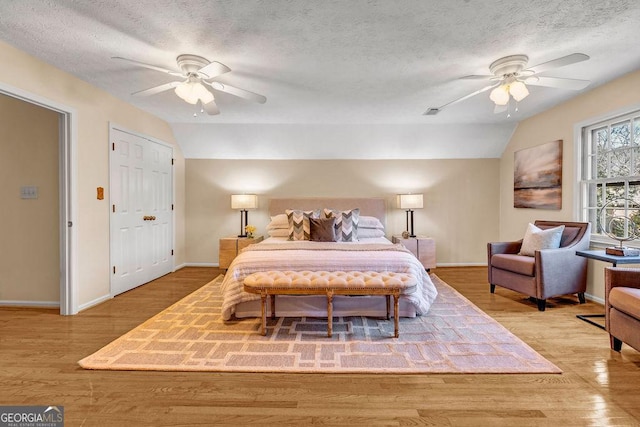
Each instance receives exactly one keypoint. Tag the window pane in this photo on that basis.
(620, 163)
(603, 161)
(636, 131)
(636, 161)
(621, 134)
(600, 138)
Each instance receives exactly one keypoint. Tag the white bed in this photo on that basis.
(370, 254)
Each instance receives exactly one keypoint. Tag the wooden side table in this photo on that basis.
(424, 248)
(230, 247)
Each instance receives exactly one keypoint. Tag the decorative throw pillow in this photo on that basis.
(322, 229)
(299, 223)
(537, 239)
(346, 223)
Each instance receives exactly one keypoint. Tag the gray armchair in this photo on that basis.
(622, 306)
(550, 273)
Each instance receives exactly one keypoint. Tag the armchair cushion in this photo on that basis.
(518, 264)
(626, 300)
(537, 239)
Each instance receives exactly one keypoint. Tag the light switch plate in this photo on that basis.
(29, 192)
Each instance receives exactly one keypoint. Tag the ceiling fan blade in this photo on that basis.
(477, 77)
(558, 82)
(260, 99)
(149, 66)
(434, 111)
(211, 108)
(559, 62)
(213, 69)
(156, 89)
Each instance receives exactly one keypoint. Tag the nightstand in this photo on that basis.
(424, 248)
(230, 247)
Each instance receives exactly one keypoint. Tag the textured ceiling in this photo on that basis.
(352, 62)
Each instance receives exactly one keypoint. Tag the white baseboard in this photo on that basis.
(201, 264)
(594, 299)
(461, 264)
(94, 302)
(33, 304)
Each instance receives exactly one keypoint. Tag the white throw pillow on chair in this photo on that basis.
(536, 239)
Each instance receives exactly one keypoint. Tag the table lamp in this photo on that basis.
(409, 202)
(244, 202)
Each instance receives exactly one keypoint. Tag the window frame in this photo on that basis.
(583, 156)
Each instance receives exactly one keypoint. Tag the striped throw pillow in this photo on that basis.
(346, 223)
(299, 227)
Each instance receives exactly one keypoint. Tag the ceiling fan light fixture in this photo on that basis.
(193, 91)
(500, 95)
(518, 90)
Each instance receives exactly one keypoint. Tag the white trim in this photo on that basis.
(594, 298)
(68, 176)
(200, 264)
(34, 304)
(578, 148)
(461, 264)
(95, 302)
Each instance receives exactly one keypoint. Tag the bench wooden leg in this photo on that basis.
(273, 306)
(388, 305)
(263, 298)
(329, 313)
(396, 314)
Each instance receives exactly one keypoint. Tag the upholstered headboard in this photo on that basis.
(368, 206)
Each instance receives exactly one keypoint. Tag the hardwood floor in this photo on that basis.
(39, 350)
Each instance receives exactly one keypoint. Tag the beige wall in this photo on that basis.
(29, 249)
(95, 110)
(461, 198)
(558, 123)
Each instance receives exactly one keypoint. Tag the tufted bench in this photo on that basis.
(329, 283)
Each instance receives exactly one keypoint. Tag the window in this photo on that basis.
(611, 176)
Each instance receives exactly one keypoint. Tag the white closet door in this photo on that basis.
(141, 214)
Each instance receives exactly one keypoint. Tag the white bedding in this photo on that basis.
(377, 254)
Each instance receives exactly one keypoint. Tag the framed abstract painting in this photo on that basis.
(537, 177)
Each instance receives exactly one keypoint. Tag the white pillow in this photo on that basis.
(537, 239)
(278, 221)
(369, 222)
(368, 233)
(278, 232)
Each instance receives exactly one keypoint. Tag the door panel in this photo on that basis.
(141, 211)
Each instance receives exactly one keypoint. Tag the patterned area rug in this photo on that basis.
(454, 337)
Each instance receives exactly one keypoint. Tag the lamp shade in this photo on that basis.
(518, 90)
(410, 201)
(500, 95)
(244, 201)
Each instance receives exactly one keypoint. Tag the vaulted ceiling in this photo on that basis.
(331, 63)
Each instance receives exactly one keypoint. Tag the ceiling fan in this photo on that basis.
(196, 74)
(510, 76)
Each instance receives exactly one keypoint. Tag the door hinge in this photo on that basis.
(171, 206)
(113, 146)
(114, 269)
(171, 252)
(171, 162)
(113, 208)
